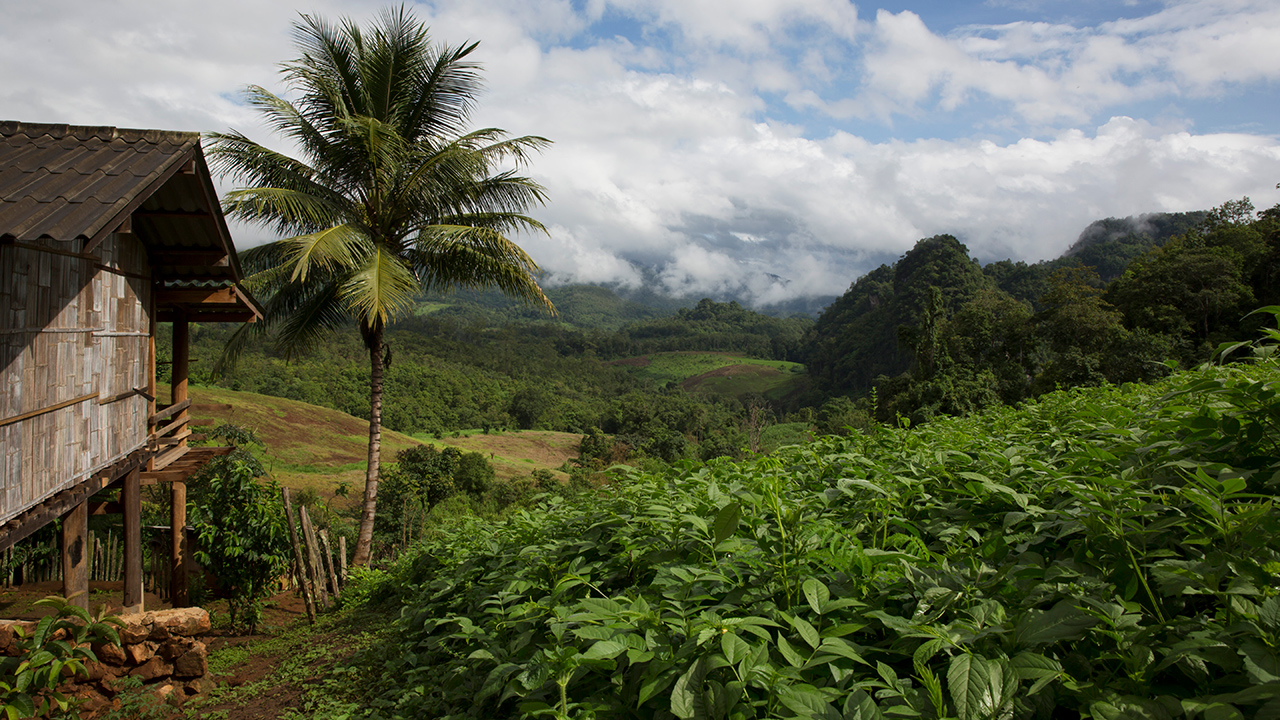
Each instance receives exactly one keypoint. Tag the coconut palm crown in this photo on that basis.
(390, 194)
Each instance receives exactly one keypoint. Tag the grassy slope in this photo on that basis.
(721, 373)
(310, 447)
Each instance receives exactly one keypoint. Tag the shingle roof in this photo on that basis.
(65, 182)
(70, 186)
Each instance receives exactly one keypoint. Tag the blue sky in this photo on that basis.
(729, 142)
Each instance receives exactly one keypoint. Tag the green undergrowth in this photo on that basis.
(1104, 553)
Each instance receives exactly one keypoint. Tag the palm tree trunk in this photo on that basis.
(364, 541)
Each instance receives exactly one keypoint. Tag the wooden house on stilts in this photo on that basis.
(104, 234)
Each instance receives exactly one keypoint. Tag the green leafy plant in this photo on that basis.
(241, 530)
(1105, 553)
(56, 649)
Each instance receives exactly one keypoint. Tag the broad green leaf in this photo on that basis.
(687, 701)
(604, 649)
(981, 689)
(726, 523)
(805, 701)
(1063, 621)
(816, 593)
(807, 632)
(860, 706)
(21, 706)
(1260, 662)
(1035, 667)
(734, 648)
(788, 653)
(654, 685)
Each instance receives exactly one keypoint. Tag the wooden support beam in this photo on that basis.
(75, 555)
(131, 499)
(178, 489)
(168, 412)
(196, 296)
(178, 545)
(105, 508)
(43, 513)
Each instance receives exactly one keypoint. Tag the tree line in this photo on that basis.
(936, 333)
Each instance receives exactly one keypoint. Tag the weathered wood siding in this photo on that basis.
(70, 332)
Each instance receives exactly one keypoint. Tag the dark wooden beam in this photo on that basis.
(169, 412)
(198, 314)
(43, 513)
(196, 296)
(131, 499)
(75, 555)
(173, 213)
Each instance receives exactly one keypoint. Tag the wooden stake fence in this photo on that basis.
(299, 566)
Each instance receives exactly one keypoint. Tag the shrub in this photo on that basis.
(241, 529)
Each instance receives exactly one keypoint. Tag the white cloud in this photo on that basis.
(690, 144)
(1051, 73)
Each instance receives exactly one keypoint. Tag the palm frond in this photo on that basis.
(314, 311)
(381, 288)
(330, 250)
(448, 256)
(289, 211)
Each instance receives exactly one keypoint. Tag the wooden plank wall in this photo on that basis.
(70, 329)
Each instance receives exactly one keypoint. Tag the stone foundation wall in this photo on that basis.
(160, 648)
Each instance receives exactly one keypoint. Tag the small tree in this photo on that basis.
(241, 529)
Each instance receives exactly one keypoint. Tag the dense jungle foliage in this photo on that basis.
(936, 334)
(1107, 552)
(444, 375)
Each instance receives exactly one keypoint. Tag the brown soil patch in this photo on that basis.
(729, 371)
(15, 602)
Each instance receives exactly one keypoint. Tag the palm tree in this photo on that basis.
(390, 194)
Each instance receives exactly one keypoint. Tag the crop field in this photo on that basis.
(1105, 553)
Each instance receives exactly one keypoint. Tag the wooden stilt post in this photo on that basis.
(131, 499)
(178, 490)
(75, 555)
(300, 566)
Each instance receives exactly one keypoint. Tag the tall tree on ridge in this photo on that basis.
(391, 194)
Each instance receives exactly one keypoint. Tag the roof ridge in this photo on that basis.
(106, 133)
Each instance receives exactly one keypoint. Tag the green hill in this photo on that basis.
(315, 448)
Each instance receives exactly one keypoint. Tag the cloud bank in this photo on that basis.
(770, 148)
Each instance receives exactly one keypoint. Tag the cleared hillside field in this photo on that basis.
(728, 374)
(315, 448)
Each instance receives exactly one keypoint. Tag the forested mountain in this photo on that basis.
(586, 307)
(935, 334)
